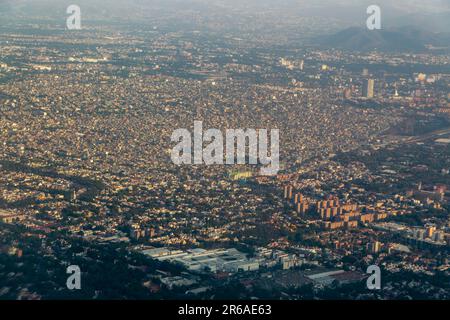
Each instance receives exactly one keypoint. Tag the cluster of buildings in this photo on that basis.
(429, 235)
(92, 126)
(107, 115)
(226, 260)
(7, 216)
(219, 260)
(333, 214)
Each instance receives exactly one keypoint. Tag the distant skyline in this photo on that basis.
(343, 9)
(292, 19)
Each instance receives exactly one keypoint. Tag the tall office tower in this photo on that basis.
(368, 88)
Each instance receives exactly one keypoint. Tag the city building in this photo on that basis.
(368, 88)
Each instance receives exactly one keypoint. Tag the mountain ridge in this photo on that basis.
(395, 39)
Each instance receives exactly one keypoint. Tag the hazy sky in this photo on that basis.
(430, 14)
(326, 5)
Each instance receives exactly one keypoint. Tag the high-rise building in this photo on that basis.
(347, 93)
(302, 207)
(374, 247)
(288, 190)
(439, 236)
(420, 234)
(365, 72)
(430, 231)
(298, 198)
(368, 88)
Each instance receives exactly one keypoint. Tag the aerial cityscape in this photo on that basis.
(343, 107)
